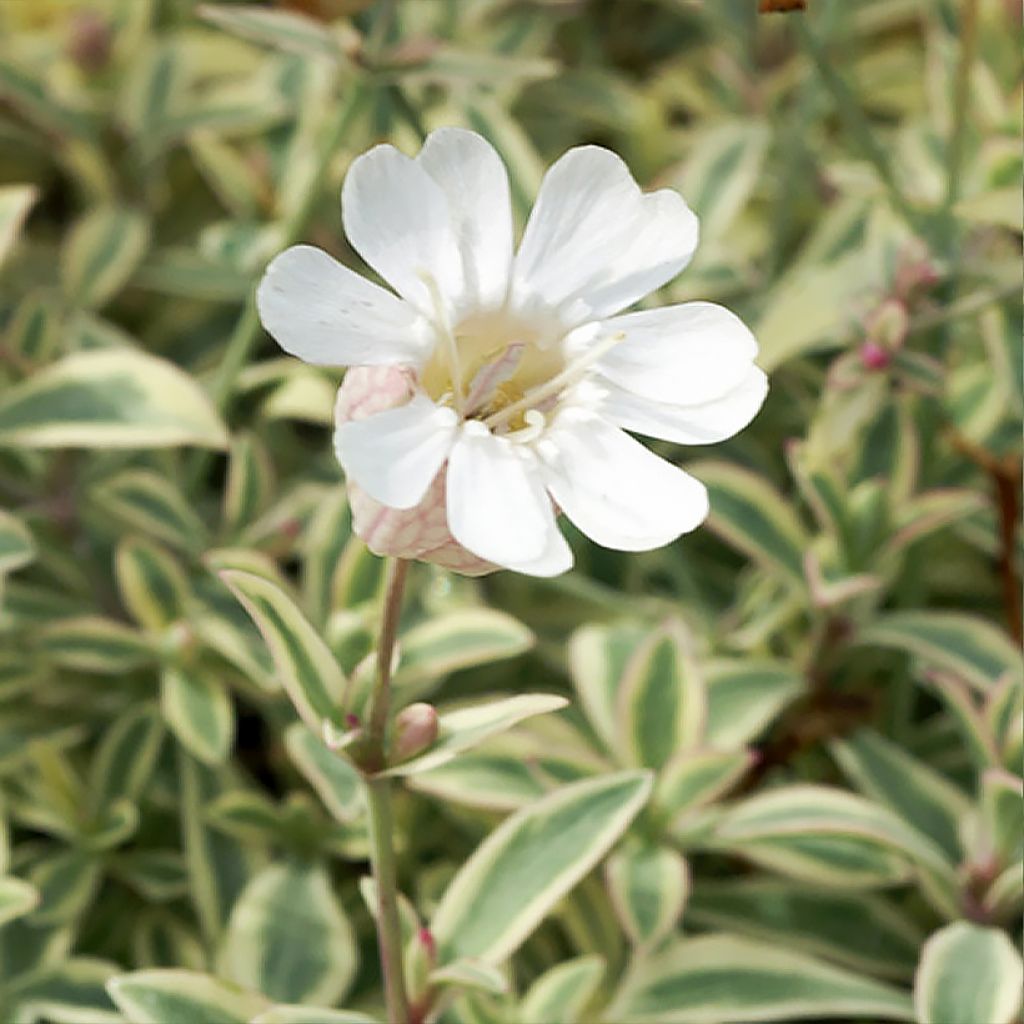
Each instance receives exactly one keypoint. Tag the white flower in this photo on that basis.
(496, 387)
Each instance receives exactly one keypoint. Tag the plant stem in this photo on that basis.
(389, 928)
(380, 698)
(378, 801)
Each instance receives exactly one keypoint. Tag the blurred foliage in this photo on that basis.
(826, 681)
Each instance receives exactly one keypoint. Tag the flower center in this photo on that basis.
(491, 361)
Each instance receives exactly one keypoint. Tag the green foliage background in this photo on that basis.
(825, 681)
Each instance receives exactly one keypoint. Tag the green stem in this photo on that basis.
(389, 927)
(961, 102)
(378, 800)
(380, 698)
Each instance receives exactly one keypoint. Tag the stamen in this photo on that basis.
(492, 375)
(535, 423)
(444, 329)
(551, 388)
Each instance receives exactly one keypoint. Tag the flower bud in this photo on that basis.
(415, 533)
(90, 41)
(420, 960)
(415, 730)
(889, 324)
(874, 357)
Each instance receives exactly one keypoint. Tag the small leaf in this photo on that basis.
(289, 937)
(692, 780)
(597, 660)
(152, 583)
(914, 791)
(109, 399)
(89, 643)
(101, 251)
(126, 756)
(753, 516)
(649, 886)
(969, 647)
(150, 503)
(471, 974)
(333, 778)
(530, 862)
(17, 898)
(15, 203)
(662, 702)
(467, 727)
(199, 712)
(724, 979)
(283, 30)
(858, 930)
(463, 639)
(249, 483)
(828, 836)
(17, 548)
(562, 993)
(306, 667)
(744, 697)
(968, 974)
(494, 782)
(159, 996)
(70, 992)
(311, 1015)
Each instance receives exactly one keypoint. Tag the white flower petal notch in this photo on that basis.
(492, 390)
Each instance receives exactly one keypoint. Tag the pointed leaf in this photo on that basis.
(462, 639)
(289, 937)
(333, 778)
(17, 548)
(159, 996)
(724, 979)
(967, 646)
(109, 399)
(662, 702)
(306, 667)
(649, 886)
(968, 974)
(199, 712)
(753, 516)
(530, 862)
(562, 992)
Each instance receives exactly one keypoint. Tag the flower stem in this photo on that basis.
(389, 928)
(378, 802)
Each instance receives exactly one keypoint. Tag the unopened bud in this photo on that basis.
(874, 356)
(90, 41)
(415, 730)
(420, 960)
(889, 324)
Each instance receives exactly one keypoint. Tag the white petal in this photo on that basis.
(394, 455)
(324, 313)
(684, 355)
(397, 218)
(616, 491)
(497, 505)
(707, 423)
(595, 243)
(475, 183)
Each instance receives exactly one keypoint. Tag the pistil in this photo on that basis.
(570, 374)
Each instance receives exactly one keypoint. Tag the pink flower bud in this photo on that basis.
(873, 356)
(416, 533)
(415, 730)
